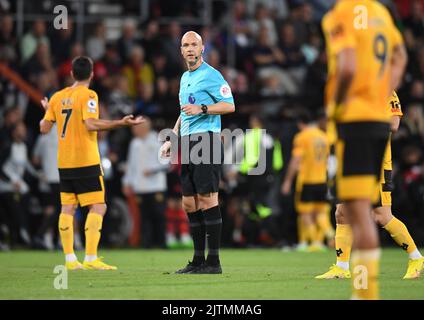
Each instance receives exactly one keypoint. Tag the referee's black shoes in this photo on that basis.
(189, 268)
(206, 268)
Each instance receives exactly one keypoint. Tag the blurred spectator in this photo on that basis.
(11, 117)
(45, 84)
(145, 176)
(213, 58)
(63, 40)
(39, 62)
(241, 29)
(171, 44)
(412, 125)
(315, 81)
(119, 102)
(13, 188)
(262, 21)
(302, 19)
(267, 57)
(415, 19)
(138, 72)
(45, 156)
(293, 60)
(31, 40)
(128, 39)
(8, 42)
(96, 44)
(207, 38)
(64, 69)
(151, 40)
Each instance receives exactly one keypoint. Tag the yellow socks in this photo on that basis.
(311, 232)
(365, 269)
(324, 224)
(301, 231)
(93, 228)
(344, 239)
(66, 231)
(400, 234)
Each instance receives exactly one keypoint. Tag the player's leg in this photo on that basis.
(91, 192)
(302, 209)
(317, 239)
(69, 203)
(360, 150)
(301, 235)
(400, 234)
(343, 245)
(324, 224)
(310, 227)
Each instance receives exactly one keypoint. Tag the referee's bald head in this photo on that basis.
(190, 36)
(192, 49)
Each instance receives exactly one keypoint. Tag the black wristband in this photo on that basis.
(204, 108)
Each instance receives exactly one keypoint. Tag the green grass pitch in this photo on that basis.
(248, 274)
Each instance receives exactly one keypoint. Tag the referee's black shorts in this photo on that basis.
(201, 167)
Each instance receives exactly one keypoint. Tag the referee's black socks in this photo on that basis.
(213, 222)
(198, 233)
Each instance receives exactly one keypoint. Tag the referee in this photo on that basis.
(204, 96)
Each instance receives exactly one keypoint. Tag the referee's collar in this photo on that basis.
(199, 67)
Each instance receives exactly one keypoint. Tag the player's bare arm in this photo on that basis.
(100, 124)
(394, 123)
(346, 67)
(291, 173)
(399, 61)
(45, 125)
(221, 107)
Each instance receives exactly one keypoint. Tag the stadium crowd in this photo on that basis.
(279, 69)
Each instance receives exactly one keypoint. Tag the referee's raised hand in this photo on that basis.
(191, 109)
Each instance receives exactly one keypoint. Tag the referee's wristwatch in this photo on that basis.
(204, 108)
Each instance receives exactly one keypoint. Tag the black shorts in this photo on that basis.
(198, 176)
(83, 191)
(314, 193)
(360, 150)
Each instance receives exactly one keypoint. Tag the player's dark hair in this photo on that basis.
(81, 68)
(304, 117)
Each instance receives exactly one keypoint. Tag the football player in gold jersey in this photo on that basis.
(309, 160)
(75, 110)
(383, 216)
(366, 59)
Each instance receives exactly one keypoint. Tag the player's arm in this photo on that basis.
(91, 112)
(345, 71)
(342, 41)
(394, 123)
(290, 174)
(93, 124)
(398, 62)
(47, 122)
